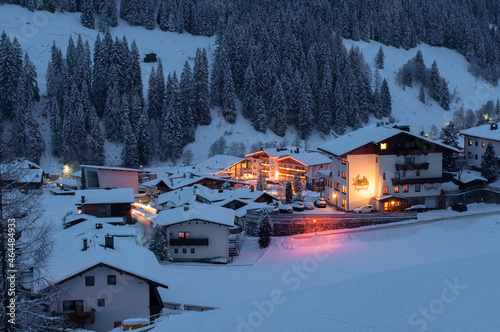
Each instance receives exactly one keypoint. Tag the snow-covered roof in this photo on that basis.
(66, 182)
(309, 158)
(325, 174)
(469, 176)
(369, 134)
(183, 195)
(241, 193)
(242, 211)
(22, 171)
(87, 217)
(219, 162)
(68, 259)
(205, 212)
(111, 168)
(483, 131)
(105, 196)
(77, 174)
(154, 183)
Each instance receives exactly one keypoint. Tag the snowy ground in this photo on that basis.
(381, 280)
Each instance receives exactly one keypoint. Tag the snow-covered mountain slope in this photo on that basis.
(37, 31)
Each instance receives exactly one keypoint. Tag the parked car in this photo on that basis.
(285, 208)
(298, 206)
(364, 209)
(417, 208)
(270, 209)
(309, 205)
(460, 207)
(321, 203)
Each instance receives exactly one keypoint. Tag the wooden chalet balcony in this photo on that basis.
(398, 182)
(189, 242)
(412, 166)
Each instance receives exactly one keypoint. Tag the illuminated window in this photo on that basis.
(482, 144)
(383, 146)
(385, 190)
(417, 188)
(405, 188)
(344, 161)
(336, 185)
(470, 142)
(184, 235)
(344, 189)
(396, 189)
(344, 203)
(345, 175)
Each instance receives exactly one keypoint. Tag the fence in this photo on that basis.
(186, 307)
(295, 223)
(478, 194)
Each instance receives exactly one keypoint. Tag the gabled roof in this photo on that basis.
(105, 196)
(469, 176)
(200, 211)
(21, 171)
(154, 183)
(372, 134)
(111, 168)
(68, 260)
(483, 131)
(309, 158)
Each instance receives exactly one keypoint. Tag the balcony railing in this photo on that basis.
(412, 166)
(189, 242)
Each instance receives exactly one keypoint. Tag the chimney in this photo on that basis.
(98, 225)
(109, 241)
(83, 199)
(494, 126)
(85, 244)
(186, 207)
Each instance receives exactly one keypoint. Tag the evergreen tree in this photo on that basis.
(218, 147)
(444, 95)
(144, 139)
(135, 74)
(305, 113)
(249, 94)
(187, 103)
(449, 137)
(297, 184)
(158, 244)
(340, 107)
(261, 182)
(265, 230)
(95, 140)
(260, 122)
(201, 108)
(434, 82)
(489, 163)
(228, 97)
(172, 135)
(88, 18)
(385, 98)
(34, 141)
(278, 110)
(421, 94)
(130, 153)
(379, 59)
(112, 114)
(149, 15)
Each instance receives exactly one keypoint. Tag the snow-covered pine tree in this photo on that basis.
(297, 184)
(218, 147)
(340, 110)
(149, 15)
(449, 137)
(305, 114)
(249, 93)
(265, 229)
(135, 72)
(34, 141)
(130, 152)
(421, 94)
(112, 114)
(489, 163)
(144, 144)
(10, 71)
(260, 121)
(261, 182)
(325, 114)
(187, 102)
(172, 135)
(88, 18)
(152, 92)
(379, 59)
(228, 96)
(278, 109)
(158, 244)
(385, 98)
(95, 140)
(434, 82)
(201, 109)
(444, 95)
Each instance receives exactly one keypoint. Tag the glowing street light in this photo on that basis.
(315, 231)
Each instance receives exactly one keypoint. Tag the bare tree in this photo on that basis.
(25, 244)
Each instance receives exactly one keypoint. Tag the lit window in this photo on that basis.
(470, 142)
(184, 235)
(482, 144)
(385, 190)
(344, 175)
(396, 189)
(383, 146)
(344, 203)
(344, 161)
(405, 188)
(336, 185)
(89, 281)
(344, 189)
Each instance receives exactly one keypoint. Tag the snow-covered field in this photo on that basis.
(37, 31)
(432, 277)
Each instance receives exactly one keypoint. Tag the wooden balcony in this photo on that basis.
(412, 166)
(189, 242)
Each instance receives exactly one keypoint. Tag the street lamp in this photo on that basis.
(315, 231)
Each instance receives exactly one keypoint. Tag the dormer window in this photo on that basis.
(383, 146)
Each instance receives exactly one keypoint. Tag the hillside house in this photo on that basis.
(477, 139)
(100, 177)
(21, 174)
(106, 202)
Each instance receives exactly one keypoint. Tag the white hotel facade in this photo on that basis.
(384, 166)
